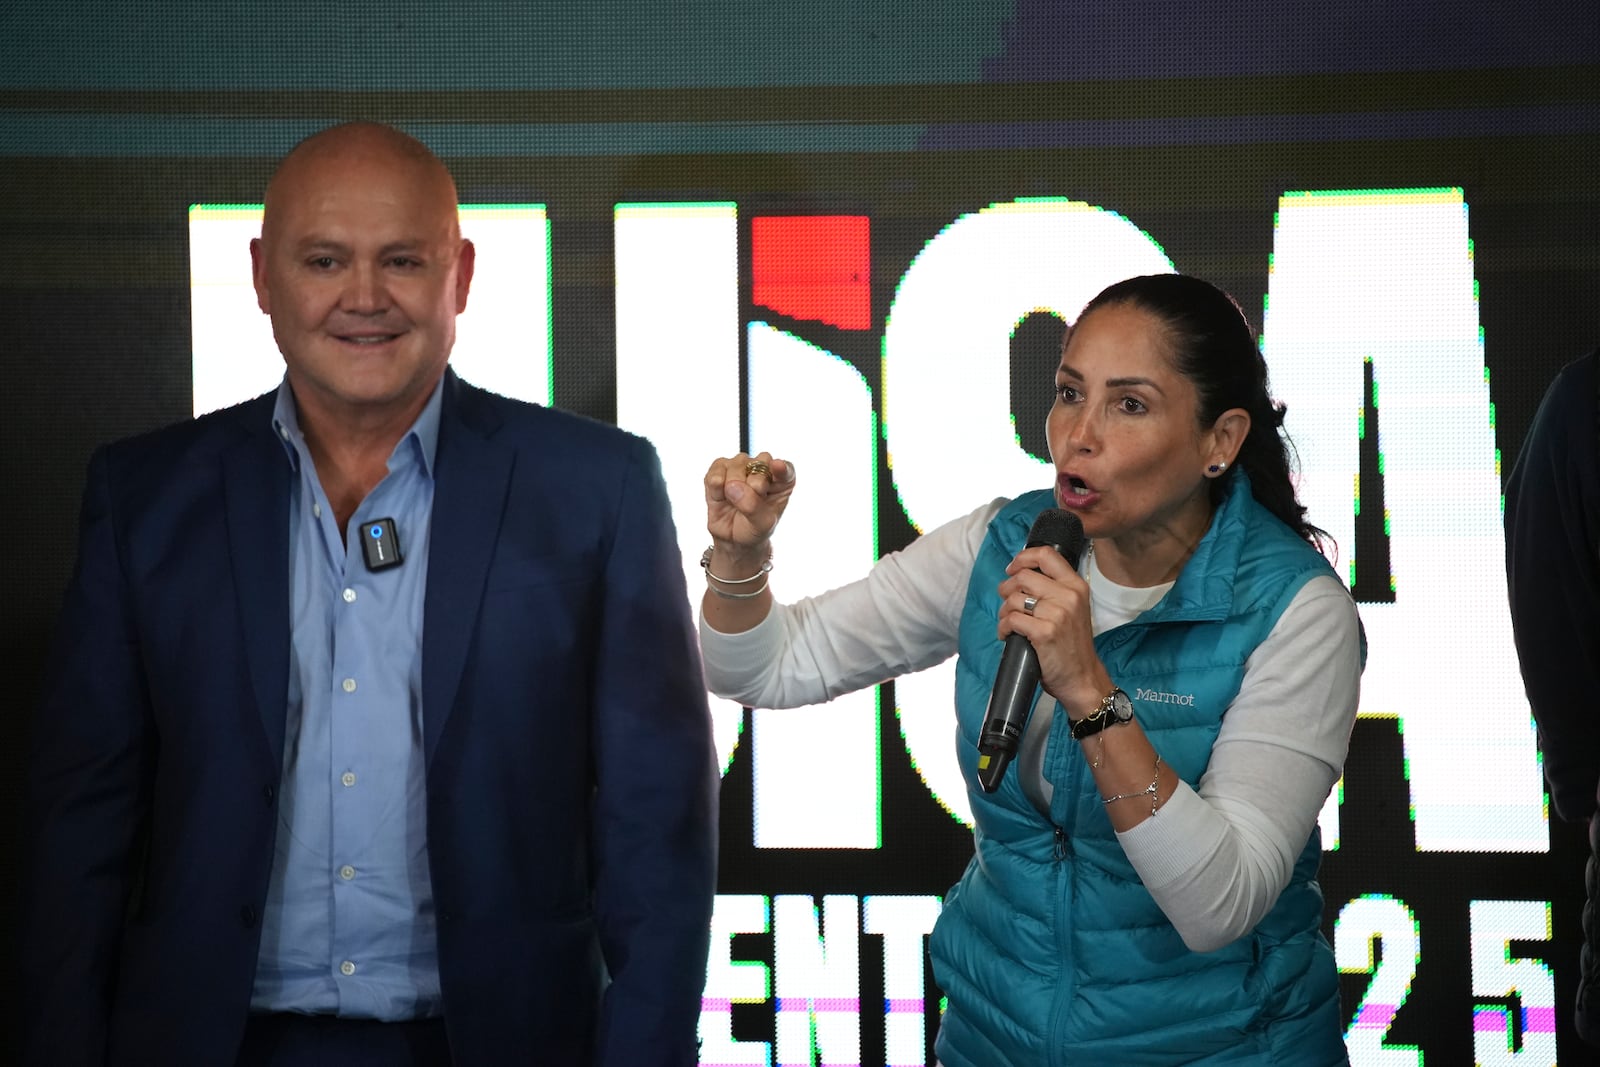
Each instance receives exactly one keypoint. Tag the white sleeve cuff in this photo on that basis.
(737, 664)
(1179, 838)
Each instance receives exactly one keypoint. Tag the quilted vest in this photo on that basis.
(1050, 948)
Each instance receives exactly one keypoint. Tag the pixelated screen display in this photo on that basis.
(850, 233)
(696, 330)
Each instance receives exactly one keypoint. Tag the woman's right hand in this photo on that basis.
(744, 502)
(745, 497)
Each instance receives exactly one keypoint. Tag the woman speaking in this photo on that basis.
(1144, 883)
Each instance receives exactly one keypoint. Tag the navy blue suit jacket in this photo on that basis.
(571, 779)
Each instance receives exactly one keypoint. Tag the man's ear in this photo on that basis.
(258, 275)
(466, 259)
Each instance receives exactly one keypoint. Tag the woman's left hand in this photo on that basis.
(1058, 627)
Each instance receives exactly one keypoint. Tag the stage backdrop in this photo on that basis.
(850, 234)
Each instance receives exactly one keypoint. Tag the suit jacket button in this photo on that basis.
(268, 792)
(247, 916)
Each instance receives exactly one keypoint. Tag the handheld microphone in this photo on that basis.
(1018, 676)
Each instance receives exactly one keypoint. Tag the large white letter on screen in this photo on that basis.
(678, 365)
(817, 769)
(1387, 275)
(947, 389)
(903, 923)
(502, 340)
(730, 981)
(819, 981)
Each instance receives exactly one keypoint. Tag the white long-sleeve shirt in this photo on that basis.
(1218, 856)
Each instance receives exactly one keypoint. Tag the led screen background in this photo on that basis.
(1192, 126)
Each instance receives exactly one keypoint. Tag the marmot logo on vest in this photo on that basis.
(1156, 697)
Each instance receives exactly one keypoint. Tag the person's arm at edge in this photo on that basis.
(88, 794)
(655, 809)
(1552, 523)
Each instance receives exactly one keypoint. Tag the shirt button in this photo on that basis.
(347, 968)
(349, 596)
(348, 778)
(316, 509)
(349, 685)
(347, 872)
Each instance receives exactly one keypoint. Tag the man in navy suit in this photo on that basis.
(375, 731)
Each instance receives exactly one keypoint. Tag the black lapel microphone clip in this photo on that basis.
(380, 544)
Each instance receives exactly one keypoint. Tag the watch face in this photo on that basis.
(1121, 706)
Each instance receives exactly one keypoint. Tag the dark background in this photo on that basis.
(1189, 119)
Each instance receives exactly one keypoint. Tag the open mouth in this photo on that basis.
(1073, 492)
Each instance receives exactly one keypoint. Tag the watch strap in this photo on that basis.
(1098, 719)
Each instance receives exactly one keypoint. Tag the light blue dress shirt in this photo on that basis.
(349, 924)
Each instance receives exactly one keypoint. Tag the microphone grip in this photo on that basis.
(1009, 703)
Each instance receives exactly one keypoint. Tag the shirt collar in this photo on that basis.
(423, 434)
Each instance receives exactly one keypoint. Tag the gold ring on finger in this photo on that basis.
(756, 466)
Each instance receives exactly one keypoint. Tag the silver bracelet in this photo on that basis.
(728, 595)
(1147, 791)
(705, 565)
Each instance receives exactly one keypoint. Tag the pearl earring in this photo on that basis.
(1217, 468)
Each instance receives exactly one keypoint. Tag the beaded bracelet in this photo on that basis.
(1147, 791)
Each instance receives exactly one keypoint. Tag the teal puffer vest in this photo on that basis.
(1050, 949)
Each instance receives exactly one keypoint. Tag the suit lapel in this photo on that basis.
(472, 476)
(255, 490)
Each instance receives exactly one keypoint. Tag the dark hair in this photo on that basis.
(1214, 347)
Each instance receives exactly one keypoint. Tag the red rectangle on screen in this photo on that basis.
(813, 267)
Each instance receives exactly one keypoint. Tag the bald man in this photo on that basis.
(375, 730)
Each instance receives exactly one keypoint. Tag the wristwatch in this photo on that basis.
(1114, 710)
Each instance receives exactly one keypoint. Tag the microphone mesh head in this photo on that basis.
(1060, 530)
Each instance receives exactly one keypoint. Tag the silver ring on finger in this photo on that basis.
(1029, 603)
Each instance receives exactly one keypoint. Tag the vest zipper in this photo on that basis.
(1065, 988)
